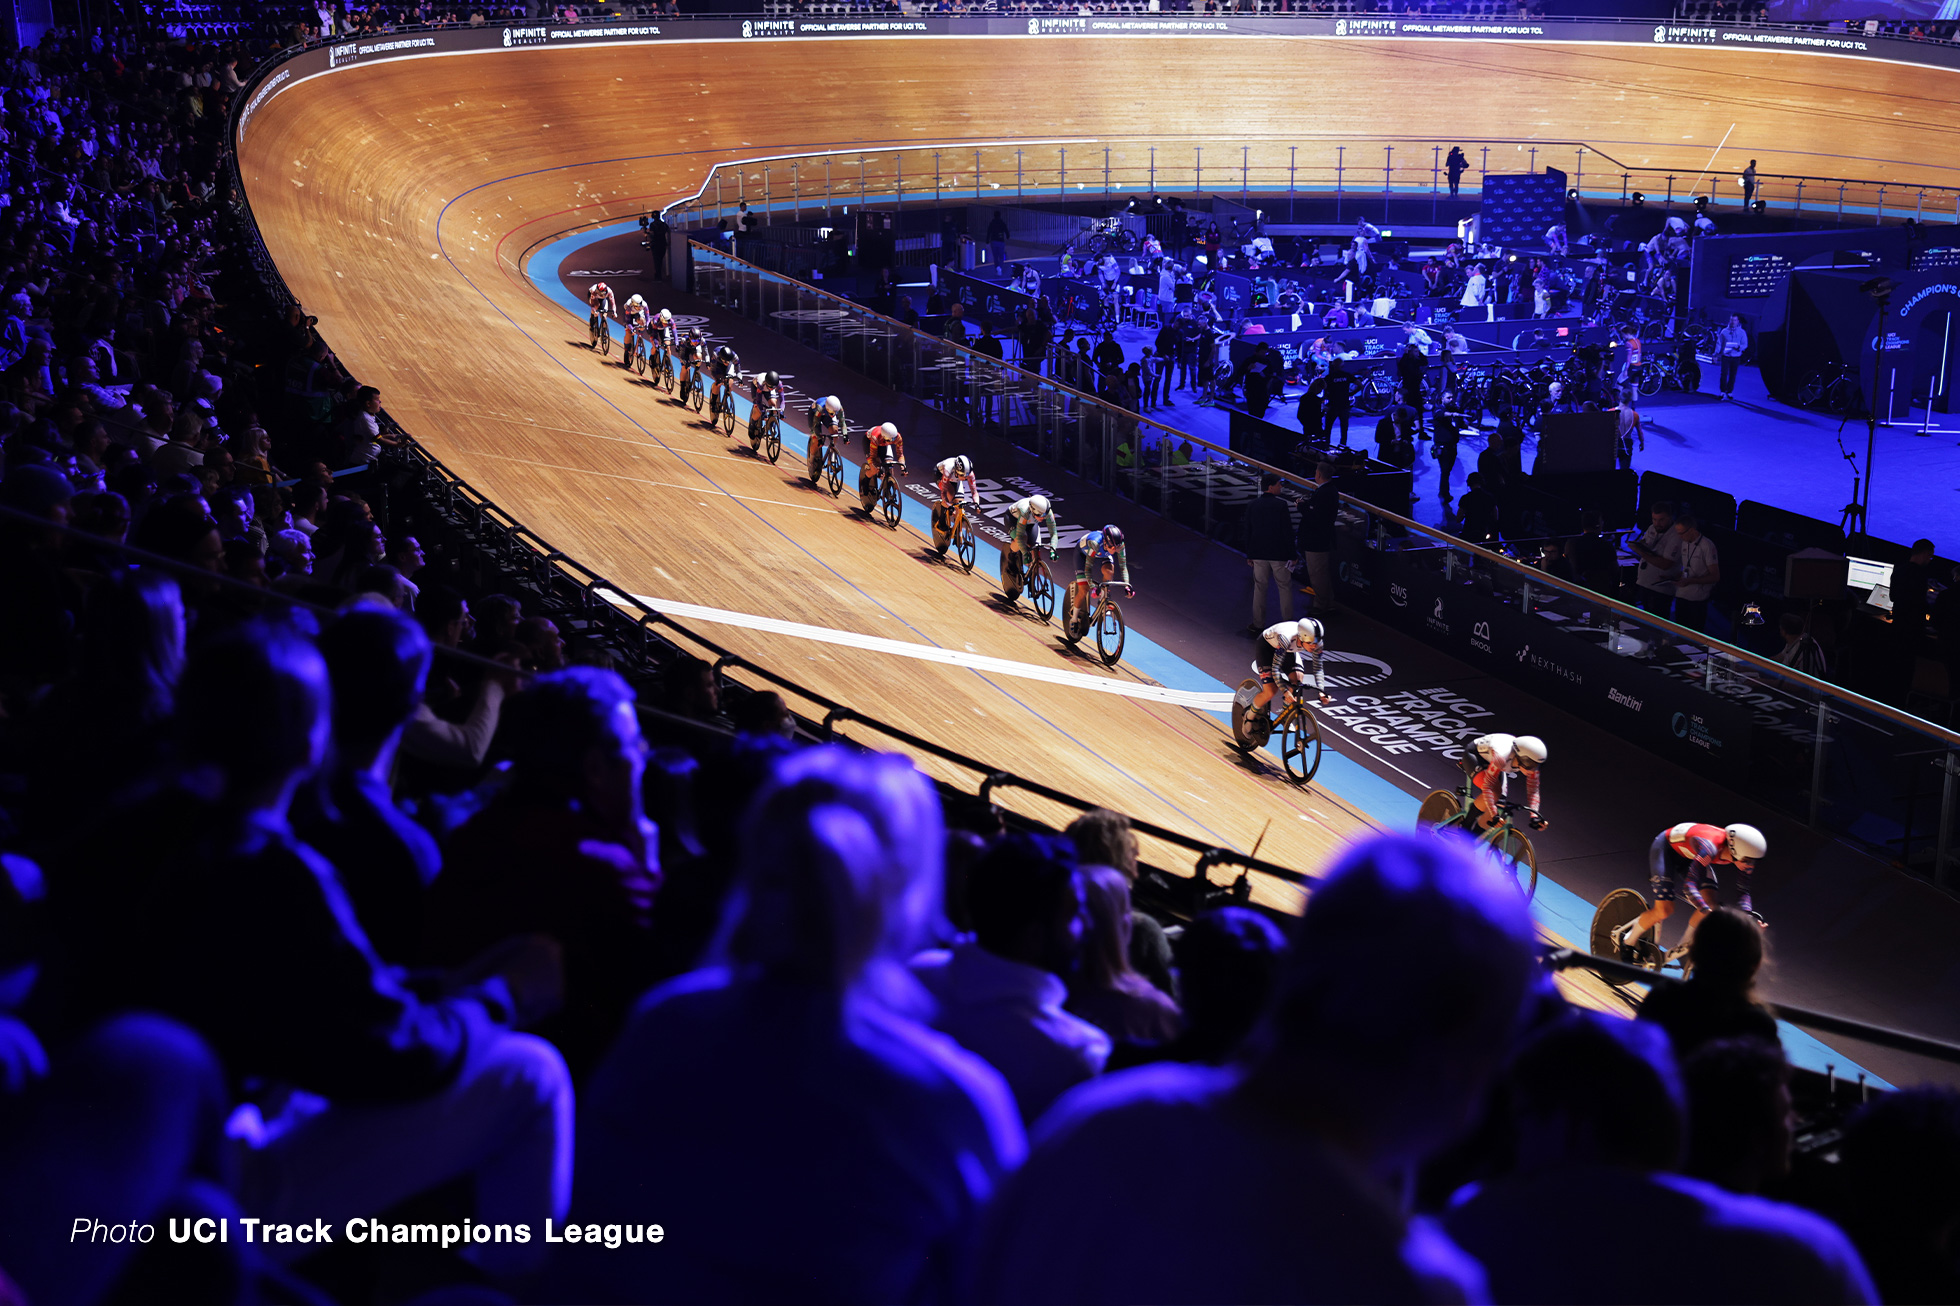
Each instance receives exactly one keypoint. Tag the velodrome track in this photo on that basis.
(398, 197)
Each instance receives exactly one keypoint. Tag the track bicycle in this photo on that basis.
(633, 352)
(601, 328)
(1296, 727)
(662, 364)
(1101, 615)
(1456, 809)
(883, 500)
(694, 387)
(1621, 908)
(827, 471)
(1016, 575)
(957, 533)
(1377, 393)
(1833, 388)
(721, 404)
(766, 431)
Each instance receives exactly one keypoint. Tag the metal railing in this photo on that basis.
(1841, 762)
(1384, 179)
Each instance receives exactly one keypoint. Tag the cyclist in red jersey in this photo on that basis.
(1694, 851)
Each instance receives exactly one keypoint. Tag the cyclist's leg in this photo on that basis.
(1660, 878)
(1262, 665)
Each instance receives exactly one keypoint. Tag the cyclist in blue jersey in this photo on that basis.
(1097, 554)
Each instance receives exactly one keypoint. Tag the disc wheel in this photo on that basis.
(1615, 910)
(1109, 639)
(1299, 745)
(1518, 859)
(1041, 593)
(888, 505)
(1441, 806)
(964, 546)
(1241, 703)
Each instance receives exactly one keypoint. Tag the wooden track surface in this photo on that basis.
(398, 198)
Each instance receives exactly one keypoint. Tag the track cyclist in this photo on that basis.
(956, 479)
(1098, 553)
(725, 367)
(599, 299)
(1283, 651)
(884, 447)
(689, 355)
(1025, 518)
(768, 395)
(826, 423)
(638, 318)
(1495, 759)
(1692, 851)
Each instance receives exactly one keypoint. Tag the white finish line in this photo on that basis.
(1214, 701)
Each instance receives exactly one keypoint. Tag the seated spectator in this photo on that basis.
(1718, 999)
(1227, 961)
(462, 745)
(1105, 991)
(1598, 1110)
(377, 661)
(691, 689)
(765, 714)
(1001, 992)
(1358, 1072)
(810, 1099)
(543, 645)
(1104, 838)
(1739, 1114)
(563, 850)
(1895, 1193)
(201, 903)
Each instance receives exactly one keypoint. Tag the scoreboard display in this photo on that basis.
(1755, 276)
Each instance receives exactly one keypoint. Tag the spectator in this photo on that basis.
(1718, 999)
(1912, 582)
(1659, 550)
(1739, 1114)
(459, 746)
(1269, 549)
(202, 904)
(564, 851)
(1310, 1155)
(1105, 990)
(377, 661)
(1597, 1107)
(813, 1100)
(1697, 573)
(1000, 994)
(1104, 838)
(1227, 962)
(1895, 1193)
(543, 646)
(692, 689)
(1316, 538)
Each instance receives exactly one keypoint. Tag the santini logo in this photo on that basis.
(1624, 700)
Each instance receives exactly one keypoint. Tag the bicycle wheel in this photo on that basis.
(1439, 808)
(728, 414)
(1518, 859)
(698, 395)
(605, 340)
(772, 438)
(833, 470)
(1041, 593)
(1299, 744)
(1109, 635)
(1613, 913)
(1842, 396)
(1069, 633)
(1652, 378)
(664, 374)
(1811, 390)
(963, 544)
(888, 504)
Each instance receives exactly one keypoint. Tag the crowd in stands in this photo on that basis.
(340, 884)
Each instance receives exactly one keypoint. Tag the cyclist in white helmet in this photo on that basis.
(1283, 651)
(956, 479)
(1025, 518)
(1495, 758)
(601, 307)
(826, 423)
(884, 448)
(638, 317)
(1692, 851)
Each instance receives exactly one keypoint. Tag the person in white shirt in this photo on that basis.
(1475, 288)
(1697, 572)
(1000, 993)
(1357, 1073)
(1658, 548)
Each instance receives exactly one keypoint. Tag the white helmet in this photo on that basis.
(636, 301)
(1038, 504)
(1746, 843)
(1531, 748)
(666, 315)
(962, 466)
(833, 405)
(1312, 631)
(889, 431)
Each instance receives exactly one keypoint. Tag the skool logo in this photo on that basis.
(1480, 637)
(1624, 700)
